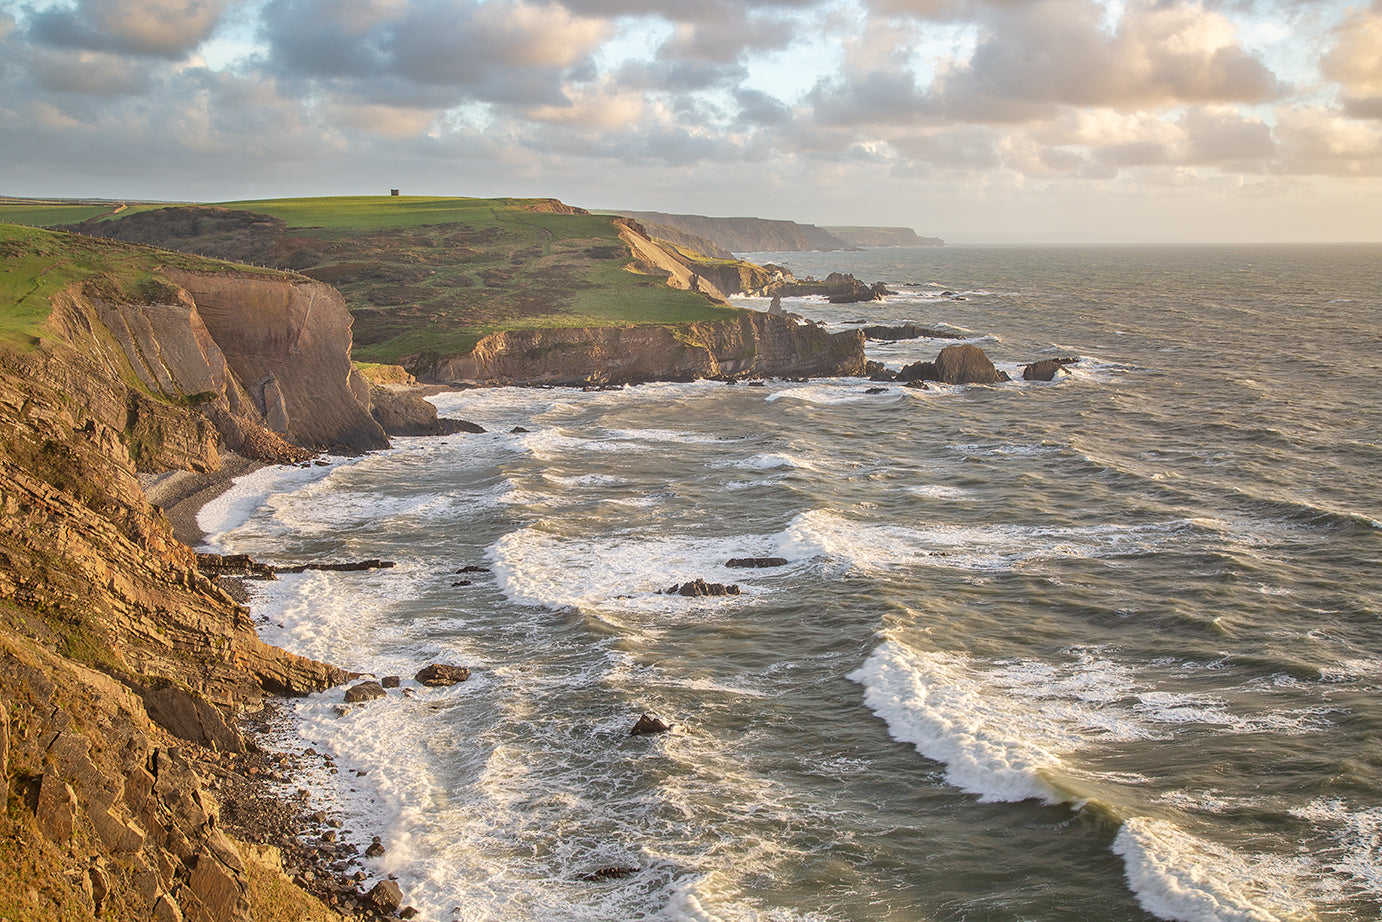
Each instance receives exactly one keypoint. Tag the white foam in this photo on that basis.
(249, 492)
(619, 572)
(849, 543)
(940, 491)
(1356, 850)
(1181, 877)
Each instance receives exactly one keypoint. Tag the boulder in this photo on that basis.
(756, 562)
(391, 681)
(365, 691)
(966, 364)
(440, 675)
(918, 371)
(385, 897)
(376, 849)
(647, 724)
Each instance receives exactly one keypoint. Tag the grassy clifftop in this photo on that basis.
(421, 275)
(36, 264)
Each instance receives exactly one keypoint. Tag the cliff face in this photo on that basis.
(289, 345)
(119, 661)
(754, 344)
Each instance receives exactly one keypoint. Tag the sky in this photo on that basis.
(980, 121)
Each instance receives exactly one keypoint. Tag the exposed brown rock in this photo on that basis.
(385, 897)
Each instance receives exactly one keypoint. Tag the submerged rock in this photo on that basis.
(612, 873)
(756, 562)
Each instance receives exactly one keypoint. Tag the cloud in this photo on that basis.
(1055, 53)
(1321, 141)
(94, 73)
(504, 51)
(1355, 62)
(160, 28)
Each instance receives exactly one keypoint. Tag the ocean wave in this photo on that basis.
(1007, 730)
(1178, 876)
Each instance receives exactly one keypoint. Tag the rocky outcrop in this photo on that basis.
(837, 287)
(962, 364)
(1046, 369)
(887, 334)
(400, 410)
(753, 344)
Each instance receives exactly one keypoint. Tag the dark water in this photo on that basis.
(1104, 648)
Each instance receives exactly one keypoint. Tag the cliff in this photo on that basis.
(122, 667)
(751, 345)
(883, 237)
(745, 235)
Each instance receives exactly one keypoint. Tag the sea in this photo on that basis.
(1102, 648)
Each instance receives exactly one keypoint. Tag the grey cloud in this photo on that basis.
(503, 51)
(879, 97)
(759, 109)
(94, 73)
(726, 38)
(1056, 52)
(160, 28)
(1226, 137)
(679, 76)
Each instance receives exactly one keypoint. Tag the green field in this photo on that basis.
(36, 264)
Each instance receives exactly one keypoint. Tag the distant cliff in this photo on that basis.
(883, 237)
(754, 344)
(746, 235)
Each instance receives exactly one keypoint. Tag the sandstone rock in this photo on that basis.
(647, 724)
(191, 717)
(439, 675)
(376, 849)
(385, 897)
(400, 410)
(391, 681)
(365, 691)
(55, 808)
(907, 331)
(756, 562)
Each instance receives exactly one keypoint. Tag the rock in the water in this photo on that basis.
(876, 390)
(1045, 370)
(966, 364)
(614, 873)
(375, 850)
(440, 675)
(647, 724)
(385, 897)
(699, 587)
(918, 371)
(391, 681)
(365, 691)
(756, 562)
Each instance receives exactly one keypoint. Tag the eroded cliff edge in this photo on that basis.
(119, 661)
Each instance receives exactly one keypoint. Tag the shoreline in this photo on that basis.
(264, 792)
(182, 494)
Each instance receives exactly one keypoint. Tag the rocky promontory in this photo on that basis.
(754, 344)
